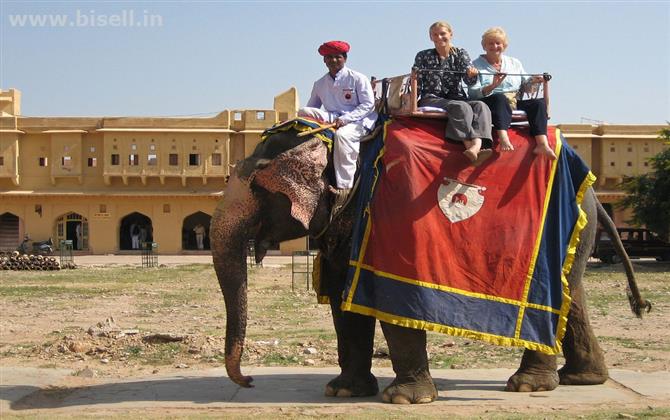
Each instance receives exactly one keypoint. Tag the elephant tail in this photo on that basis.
(638, 304)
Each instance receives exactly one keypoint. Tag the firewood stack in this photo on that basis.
(15, 261)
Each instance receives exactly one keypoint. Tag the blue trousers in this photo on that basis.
(501, 113)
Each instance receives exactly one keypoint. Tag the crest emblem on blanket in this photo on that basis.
(459, 201)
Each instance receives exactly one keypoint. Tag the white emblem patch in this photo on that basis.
(459, 201)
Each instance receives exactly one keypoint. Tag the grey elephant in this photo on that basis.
(281, 192)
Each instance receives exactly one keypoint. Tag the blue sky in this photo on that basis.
(609, 60)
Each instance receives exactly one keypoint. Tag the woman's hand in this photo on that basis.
(531, 83)
(497, 79)
(471, 72)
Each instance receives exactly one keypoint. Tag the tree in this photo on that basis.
(649, 194)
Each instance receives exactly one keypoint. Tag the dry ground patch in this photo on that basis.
(128, 322)
(58, 319)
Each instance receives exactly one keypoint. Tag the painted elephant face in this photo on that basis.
(298, 174)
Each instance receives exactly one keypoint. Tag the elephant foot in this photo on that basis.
(418, 389)
(352, 386)
(532, 381)
(574, 377)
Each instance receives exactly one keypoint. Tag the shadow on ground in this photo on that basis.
(281, 388)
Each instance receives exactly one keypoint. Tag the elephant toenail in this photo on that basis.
(424, 400)
(330, 391)
(343, 393)
(525, 388)
(400, 399)
(386, 397)
(541, 389)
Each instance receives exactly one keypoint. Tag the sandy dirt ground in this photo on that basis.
(127, 321)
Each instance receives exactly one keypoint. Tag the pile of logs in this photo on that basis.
(15, 261)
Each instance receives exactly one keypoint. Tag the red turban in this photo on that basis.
(333, 48)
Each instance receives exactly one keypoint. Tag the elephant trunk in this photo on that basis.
(230, 229)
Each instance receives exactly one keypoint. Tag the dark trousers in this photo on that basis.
(466, 120)
(501, 113)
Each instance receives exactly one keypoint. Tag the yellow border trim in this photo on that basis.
(460, 332)
(580, 224)
(346, 301)
(538, 240)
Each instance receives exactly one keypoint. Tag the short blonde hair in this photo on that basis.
(440, 24)
(495, 32)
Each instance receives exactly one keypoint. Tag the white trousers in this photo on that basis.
(345, 151)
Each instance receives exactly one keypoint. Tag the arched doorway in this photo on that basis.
(72, 227)
(135, 229)
(10, 231)
(194, 224)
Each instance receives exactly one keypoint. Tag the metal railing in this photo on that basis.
(149, 257)
(302, 262)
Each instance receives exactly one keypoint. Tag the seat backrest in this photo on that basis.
(398, 95)
(392, 94)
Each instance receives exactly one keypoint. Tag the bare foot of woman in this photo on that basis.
(482, 156)
(472, 148)
(544, 150)
(506, 145)
(472, 156)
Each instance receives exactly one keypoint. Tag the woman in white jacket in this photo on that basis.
(498, 90)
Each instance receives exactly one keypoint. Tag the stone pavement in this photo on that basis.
(47, 392)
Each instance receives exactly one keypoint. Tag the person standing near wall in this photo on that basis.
(200, 233)
(135, 236)
(79, 236)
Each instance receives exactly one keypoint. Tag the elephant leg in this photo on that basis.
(413, 383)
(584, 359)
(355, 341)
(537, 372)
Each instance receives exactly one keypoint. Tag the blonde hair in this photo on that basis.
(440, 24)
(495, 32)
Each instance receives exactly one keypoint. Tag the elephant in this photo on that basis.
(280, 192)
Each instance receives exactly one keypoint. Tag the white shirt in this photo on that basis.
(509, 84)
(349, 96)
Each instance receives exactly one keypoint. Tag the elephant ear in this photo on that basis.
(297, 173)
